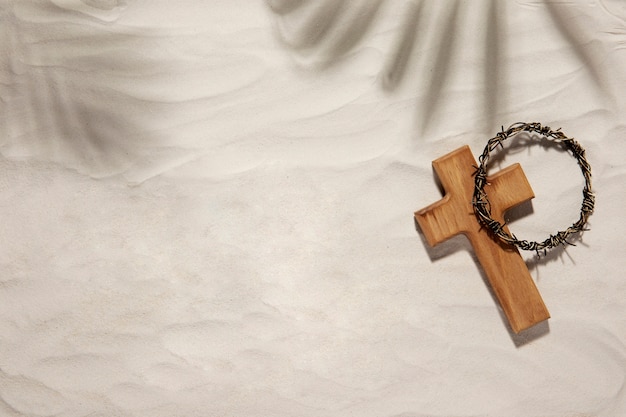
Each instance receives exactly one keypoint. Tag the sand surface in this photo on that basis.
(207, 208)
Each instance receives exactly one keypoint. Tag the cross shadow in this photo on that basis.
(460, 243)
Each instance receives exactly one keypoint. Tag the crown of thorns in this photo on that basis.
(482, 207)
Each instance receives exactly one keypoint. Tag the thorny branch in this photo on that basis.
(482, 207)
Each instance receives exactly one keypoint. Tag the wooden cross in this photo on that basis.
(505, 269)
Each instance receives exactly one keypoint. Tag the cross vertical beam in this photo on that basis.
(454, 214)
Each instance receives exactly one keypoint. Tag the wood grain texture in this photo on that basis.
(453, 214)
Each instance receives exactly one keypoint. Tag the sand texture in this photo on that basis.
(207, 208)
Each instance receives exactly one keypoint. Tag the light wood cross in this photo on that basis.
(454, 214)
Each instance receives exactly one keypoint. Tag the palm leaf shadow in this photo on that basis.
(492, 70)
(441, 68)
(330, 32)
(396, 67)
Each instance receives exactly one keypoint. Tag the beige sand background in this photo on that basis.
(207, 208)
